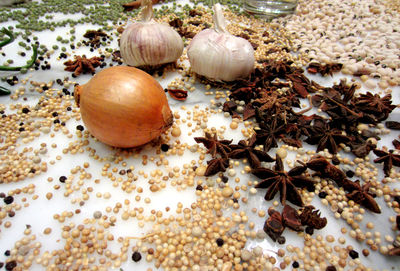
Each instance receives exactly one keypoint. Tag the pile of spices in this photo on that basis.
(204, 196)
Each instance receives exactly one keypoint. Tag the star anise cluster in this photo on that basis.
(294, 220)
(273, 101)
(356, 192)
(222, 150)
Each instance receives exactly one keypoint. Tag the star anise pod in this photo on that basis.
(214, 145)
(388, 158)
(279, 68)
(269, 132)
(396, 144)
(81, 64)
(246, 150)
(324, 69)
(326, 170)
(394, 251)
(94, 37)
(301, 84)
(284, 182)
(336, 104)
(362, 196)
(362, 149)
(326, 137)
(273, 226)
(269, 101)
(377, 108)
(291, 218)
(216, 165)
(312, 218)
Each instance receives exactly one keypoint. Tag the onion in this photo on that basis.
(123, 107)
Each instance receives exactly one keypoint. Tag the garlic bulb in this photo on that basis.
(218, 55)
(148, 43)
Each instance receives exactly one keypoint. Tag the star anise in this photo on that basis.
(94, 37)
(375, 107)
(284, 182)
(326, 170)
(362, 149)
(214, 145)
(269, 132)
(324, 69)
(394, 251)
(301, 84)
(335, 102)
(81, 64)
(396, 144)
(388, 158)
(277, 222)
(279, 68)
(312, 218)
(326, 137)
(362, 196)
(270, 101)
(216, 165)
(273, 226)
(291, 218)
(246, 150)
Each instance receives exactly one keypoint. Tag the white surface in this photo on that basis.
(40, 212)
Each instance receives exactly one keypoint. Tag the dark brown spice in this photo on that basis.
(178, 94)
(388, 158)
(246, 150)
(284, 182)
(81, 64)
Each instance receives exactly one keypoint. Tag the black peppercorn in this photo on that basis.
(63, 179)
(8, 200)
(164, 147)
(136, 256)
(353, 254)
(220, 242)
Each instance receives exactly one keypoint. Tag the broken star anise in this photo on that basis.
(284, 182)
(273, 226)
(326, 170)
(269, 132)
(95, 37)
(81, 64)
(324, 69)
(388, 158)
(246, 150)
(312, 218)
(216, 165)
(276, 222)
(326, 137)
(375, 107)
(214, 145)
(362, 196)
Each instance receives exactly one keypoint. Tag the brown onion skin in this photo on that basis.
(124, 107)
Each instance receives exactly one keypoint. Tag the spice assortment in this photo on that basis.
(277, 167)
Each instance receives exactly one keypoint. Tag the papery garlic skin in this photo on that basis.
(150, 43)
(218, 55)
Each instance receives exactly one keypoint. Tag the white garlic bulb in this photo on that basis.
(218, 55)
(148, 43)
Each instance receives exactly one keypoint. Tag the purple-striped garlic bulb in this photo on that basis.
(218, 55)
(148, 43)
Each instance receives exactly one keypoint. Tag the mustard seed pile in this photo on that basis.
(283, 170)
